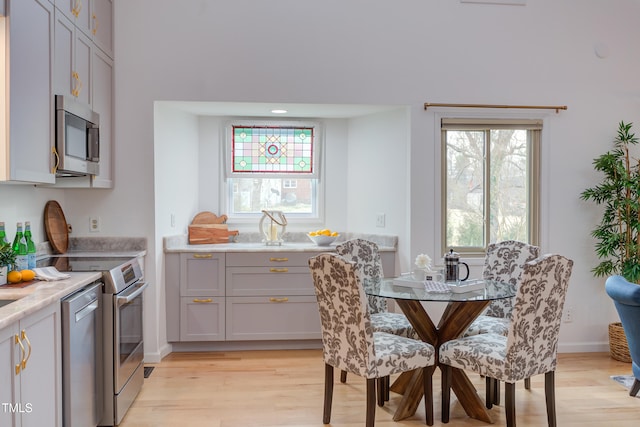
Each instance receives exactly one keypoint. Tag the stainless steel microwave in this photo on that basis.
(77, 149)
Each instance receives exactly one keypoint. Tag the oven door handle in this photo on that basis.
(122, 300)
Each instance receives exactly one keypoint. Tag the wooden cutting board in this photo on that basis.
(209, 218)
(55, 225)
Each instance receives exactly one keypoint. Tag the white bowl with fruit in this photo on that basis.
(323, 237)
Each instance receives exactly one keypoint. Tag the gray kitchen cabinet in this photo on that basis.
(73, 54)
(93, 17)
(270, 296)
(84, 70)
(28, 63)
(202, 318)
(31, 370)
(195, 294)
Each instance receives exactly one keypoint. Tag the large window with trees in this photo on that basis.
(490, 182)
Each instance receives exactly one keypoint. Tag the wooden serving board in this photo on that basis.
(202, 234)
(209, 218)
(56, 227)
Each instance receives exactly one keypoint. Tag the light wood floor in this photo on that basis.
(284, 388)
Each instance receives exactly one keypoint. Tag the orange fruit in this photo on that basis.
(28, 275)
(14, 276)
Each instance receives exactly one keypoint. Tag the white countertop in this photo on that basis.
(40, 294)
(180, 243)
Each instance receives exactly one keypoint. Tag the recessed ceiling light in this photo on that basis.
(278, 111)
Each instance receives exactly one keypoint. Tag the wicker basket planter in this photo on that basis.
(618, 347)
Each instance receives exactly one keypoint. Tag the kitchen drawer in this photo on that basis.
(272, 318)
(202, 318)
(269, 281)
(202, 274)
(270, 259)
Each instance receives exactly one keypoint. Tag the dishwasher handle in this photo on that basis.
(86, 310)
(126, 299)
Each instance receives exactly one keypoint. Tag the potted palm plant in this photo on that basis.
(7, 259)
(618, 234)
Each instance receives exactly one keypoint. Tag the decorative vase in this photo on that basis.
(3, 275)
(618, 347)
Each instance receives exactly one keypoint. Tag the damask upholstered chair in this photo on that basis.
(626, 297)
(349, 342)
(367, 260)
(503, 262)
(530, 347)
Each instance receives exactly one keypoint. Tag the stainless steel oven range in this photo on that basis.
(123, 345)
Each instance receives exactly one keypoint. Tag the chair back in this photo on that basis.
(626, 298)
(347, 337)
(367, 259)
(504, 262)
(532, 341)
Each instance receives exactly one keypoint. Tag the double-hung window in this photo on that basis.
(273, 166)
(490, 182)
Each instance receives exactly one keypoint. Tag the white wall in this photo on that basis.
(24, 202)
(177, 184)
(375, 52)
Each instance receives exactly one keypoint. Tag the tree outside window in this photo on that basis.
(490, 182)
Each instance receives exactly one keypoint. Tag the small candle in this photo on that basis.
(274, 232)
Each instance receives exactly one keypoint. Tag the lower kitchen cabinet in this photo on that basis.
(202, 319)
(31, 370)
(240, 296)
(276, 317)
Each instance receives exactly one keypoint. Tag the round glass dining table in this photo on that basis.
(462, 309)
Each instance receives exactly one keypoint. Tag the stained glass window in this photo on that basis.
(272, 149)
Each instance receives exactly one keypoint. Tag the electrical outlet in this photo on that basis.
(380, 220)
(173, 220)
(568, 315)
(94, 224)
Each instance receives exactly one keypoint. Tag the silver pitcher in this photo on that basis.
(452, 267)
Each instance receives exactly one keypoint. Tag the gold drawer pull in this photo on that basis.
(203, 255)
(278, 259)
(285, 299)
(278, 270)
(203, 300)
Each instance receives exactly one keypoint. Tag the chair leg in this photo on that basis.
(635, 388)
(510, 403)
(380, 390)
(490, 390)
(496, 392)
(387, 385)
(343, 376)
(427, 375)
(446, 391)
(527, 383)
(371, 402)
(550, 394)
(328, 393)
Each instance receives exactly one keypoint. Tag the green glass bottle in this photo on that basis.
(31, 247)
(20, 248)
(3, 234)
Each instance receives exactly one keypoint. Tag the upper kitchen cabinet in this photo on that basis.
(72, 60)
(83, 70)
(27, 105)
(93, 17)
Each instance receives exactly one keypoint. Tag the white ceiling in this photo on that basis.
(263, 109)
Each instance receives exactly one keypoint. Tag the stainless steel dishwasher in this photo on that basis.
(82, 383)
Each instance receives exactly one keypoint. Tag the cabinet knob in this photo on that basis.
(198, 300)
(278, 270)
(278, 259)
(203, 255)
(272, 299)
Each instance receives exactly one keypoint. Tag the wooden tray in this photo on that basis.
(56, 227)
